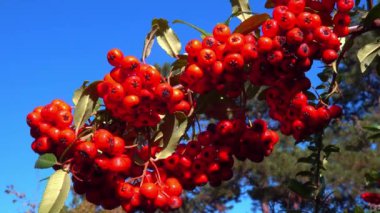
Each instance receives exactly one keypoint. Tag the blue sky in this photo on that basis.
(48, 48)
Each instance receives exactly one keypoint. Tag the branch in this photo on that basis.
(369, 4)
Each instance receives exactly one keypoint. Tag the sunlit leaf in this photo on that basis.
(367, 54)
(45, 161)
(87, 105)
(149, 41)
(173, 128)
(241, 9)
(166, 37)
(78, 92)
(56, 192)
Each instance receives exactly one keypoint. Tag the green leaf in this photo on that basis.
(304, 174)
(56, 192)
(310, 95)
(241, 9)
(173, 128)
(180, 63)
(374, 136)
(149, 41)
(373, 14)
(202, 31)
(269, 4)
(252, 23)
(252, 91)
(87, 105)
(367, 54)
(205, 99)
(372, 176)
(372, 128)
(45, 161)
(323, 76)
(166, 37)
(301, 189)
(309, 160)
(78, 92)
(331, 148)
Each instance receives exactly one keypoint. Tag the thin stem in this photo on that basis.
(144, 172)
(157, 171)
(319, 145)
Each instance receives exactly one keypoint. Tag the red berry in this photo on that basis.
(270, 28)
(329, 56)
(149, 190)
(221, 32)
(114, 57)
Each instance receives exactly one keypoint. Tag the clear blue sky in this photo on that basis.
(48, 48)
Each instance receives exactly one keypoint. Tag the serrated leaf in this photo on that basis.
(56, 192)
(251, 24)
(87, 105)
(202, 31)
(301, 189)
(45, 161)
(166, 37)
(149, 41)
(78, 92)
(304, 174)
(367, 54)
(173, 128)
(373, 14)
(241, 9)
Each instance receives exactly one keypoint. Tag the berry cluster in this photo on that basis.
(51, 127)
(150, 196)
(209, 159)
(218, 62)
(290, 43)
(289, 105)
(103, 171)
(137, 93)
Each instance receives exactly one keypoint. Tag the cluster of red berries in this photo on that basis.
(51, 127)
(289, 105)
(104, 172)
(218, 62)
(209, 159)
(137, 93)
(290, 43)
(151, 195)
